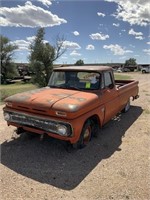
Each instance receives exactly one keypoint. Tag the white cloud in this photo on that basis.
(101, 14)
(71, 45)
(122, 58)
(136, 55)
(31, 39)
(128, 51)
(98, 36)
(22, 44)
(117, 25)
(132, 32)
(64, 57)
(90, 47)
(75, 53)
(147, 51)
(132, 46)
(117, 49)
(133, 11)
(138, 35)
(47, 3)
(148, 43)
(76, 33)
(28, 15)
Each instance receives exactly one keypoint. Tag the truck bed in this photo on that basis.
(126, 90)
(120, 83)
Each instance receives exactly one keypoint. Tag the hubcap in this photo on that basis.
(87, 135)
(127, 106)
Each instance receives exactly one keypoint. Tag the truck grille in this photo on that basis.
(36, 122)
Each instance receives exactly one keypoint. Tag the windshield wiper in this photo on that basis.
(56, 86)
(75, 88)
(66, 87)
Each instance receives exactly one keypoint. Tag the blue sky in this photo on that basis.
(102, 31)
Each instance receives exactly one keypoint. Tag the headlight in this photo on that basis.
(7, 116)
(62, 130)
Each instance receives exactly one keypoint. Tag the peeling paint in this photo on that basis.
(71, 107)
(61, 95)
(18, 98)
(78, 99)
(50, 101)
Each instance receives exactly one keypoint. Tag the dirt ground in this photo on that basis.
(116, 165)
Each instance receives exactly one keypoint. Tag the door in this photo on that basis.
(110, 98)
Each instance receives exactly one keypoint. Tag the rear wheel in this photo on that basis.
(127, 107)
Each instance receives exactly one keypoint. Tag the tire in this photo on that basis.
(85, 136)
(95, 129)
(143, 72)
(127, 107)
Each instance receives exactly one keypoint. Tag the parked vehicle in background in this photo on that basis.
(145, 69)
(119, 70)
(126, 70)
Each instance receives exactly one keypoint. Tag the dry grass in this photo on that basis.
(11, 89)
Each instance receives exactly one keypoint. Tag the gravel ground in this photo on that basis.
(116, 165)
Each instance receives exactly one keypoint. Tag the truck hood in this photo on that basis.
(55, 102)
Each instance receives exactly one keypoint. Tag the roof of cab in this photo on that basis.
(83, 68)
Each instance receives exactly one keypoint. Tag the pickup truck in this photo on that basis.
(145, 69)
(77, 102)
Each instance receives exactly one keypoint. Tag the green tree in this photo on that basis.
(42, 57)
(131, 62)
(79, 62)
(8, 68)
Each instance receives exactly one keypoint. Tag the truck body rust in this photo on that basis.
(76, 103)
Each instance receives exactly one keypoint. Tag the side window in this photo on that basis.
(58, 78)
(108, 79)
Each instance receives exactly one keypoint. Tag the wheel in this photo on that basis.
(143, 71)
(127, 107)
(95, 129)
(85, 136)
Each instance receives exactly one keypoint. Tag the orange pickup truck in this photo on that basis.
(77, 102)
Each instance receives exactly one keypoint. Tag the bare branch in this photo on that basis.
(59, 48)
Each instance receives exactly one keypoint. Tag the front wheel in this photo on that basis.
(85, 136)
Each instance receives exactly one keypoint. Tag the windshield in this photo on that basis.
(75, 80)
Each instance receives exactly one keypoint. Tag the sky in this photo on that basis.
(101, 31)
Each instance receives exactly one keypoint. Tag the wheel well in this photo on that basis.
(94, 120)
